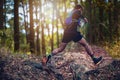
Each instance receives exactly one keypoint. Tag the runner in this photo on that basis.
(72, 34)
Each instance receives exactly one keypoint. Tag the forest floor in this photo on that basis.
(72, 64)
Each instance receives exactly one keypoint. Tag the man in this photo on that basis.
(71, 34)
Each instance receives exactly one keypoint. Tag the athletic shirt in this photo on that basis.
(73, 26)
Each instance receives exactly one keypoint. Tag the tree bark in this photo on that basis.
(52, 40)
(115, 13)
(43, 41)
(32, 35)
(76, 2)
(110, 23)
(101, 21)
(25, 22)
(1, 14)
(16, 26)
(37, 29)
(89, 30)
(57, 33)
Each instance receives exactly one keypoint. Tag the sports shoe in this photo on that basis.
(97, 60)
(46, 59)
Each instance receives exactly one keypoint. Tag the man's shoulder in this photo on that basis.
(77, 12)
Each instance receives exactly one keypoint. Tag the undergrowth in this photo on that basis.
(113, 48)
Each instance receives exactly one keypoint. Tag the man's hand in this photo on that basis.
(85, 19)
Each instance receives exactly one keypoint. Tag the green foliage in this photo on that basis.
(113, 48)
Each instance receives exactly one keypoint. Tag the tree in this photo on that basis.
(1, 14)
(52, 39)
(43, 41)
(37, 4)
(43, 25)
(115, 17)
(110, 21)
(32, 33)
(2, 22)
(100, 26)
(24, 6)
(89, 31)
(16, 26)
(57, 26)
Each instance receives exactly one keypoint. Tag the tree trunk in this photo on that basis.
(3, 21)
(25, 22)
(32, 35)
(16, 26)
(89, 30)
(43, 41)
(1, 14)
(81, 2)
(110, 23)
(40, 25)
(56, 12)
(76, 2)
(101, 21)
(38, 42)
(57, 33)
(37, 29)
(52, 40)
(101, 14)
(115, 13)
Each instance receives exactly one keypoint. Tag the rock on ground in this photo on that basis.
(73, 64)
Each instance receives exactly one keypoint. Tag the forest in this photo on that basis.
(31, 29)
(37, 26)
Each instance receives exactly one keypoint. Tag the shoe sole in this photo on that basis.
(99, 62)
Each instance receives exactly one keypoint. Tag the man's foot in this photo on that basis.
(97, 60)
(46, 59)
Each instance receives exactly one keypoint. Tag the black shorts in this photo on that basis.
(71, 36)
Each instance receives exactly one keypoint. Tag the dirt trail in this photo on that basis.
(73, 64)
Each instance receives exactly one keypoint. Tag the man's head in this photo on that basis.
(78, 7)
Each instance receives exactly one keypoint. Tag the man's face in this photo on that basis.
(80, 10)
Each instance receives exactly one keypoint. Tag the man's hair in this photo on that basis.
(78, 7)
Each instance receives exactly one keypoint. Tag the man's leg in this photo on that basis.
(84, 43)
(54, 52)
(60, 49)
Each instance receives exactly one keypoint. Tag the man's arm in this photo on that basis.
(85, 19)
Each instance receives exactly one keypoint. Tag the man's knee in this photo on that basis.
(83, 42)
(60, 49)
